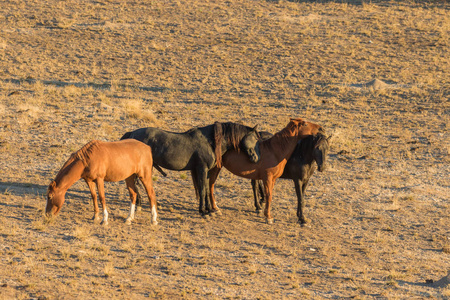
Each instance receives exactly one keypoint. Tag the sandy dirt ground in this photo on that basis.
(374, 74)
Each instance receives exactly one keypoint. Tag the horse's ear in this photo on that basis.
(298, 121)
(255, 128)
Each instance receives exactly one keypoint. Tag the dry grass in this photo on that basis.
(379, 214)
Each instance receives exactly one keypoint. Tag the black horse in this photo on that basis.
(309, 154)
(198, 150)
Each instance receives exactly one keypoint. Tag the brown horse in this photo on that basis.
(97, 162)
(274, 153)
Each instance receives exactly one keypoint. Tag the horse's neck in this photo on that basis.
(69, 174)
(282, 146)
(304, 153)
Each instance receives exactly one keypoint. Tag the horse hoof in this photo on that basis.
(304, 222)
(269, 221)
(104, 223)
(217, 212)
(258, 212)
(139, 208)
(128, 221)
(96, 220)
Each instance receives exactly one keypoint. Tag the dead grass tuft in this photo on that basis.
(446, 249)
(137, 109)
(109, 270)
(82, 232)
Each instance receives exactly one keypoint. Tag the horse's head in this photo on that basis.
(303, 128)
(55, 199)
(250, 145)
(320, 152)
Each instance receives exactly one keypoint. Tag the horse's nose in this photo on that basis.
(253, 157)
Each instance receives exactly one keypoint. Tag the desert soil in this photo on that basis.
(374, 74)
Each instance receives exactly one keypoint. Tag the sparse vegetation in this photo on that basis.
(378, 215)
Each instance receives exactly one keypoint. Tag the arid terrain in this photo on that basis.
(374, 74)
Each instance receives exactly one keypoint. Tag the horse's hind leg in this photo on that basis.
(194, 181)
(138, 196)
(148, 184)
(91, 185)
(268, 188)
(261, 192)
(131, 186)
(101, 195)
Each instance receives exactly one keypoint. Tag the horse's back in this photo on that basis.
(118, 160)
(132, 149)
(176, 150)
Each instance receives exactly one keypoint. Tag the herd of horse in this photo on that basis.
(294, 153)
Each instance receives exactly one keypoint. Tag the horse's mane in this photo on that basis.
(308, 144)
(83, 155)
(86, 151)
(284, 137)
(232, 133)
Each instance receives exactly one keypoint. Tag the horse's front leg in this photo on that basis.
(268, 188)
(300, 202)
(91, 185)
(101, 195)
(148, 184)
(201, 179)
(131, 186)
(213, 174)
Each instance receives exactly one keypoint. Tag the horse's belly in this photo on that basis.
(171, 163)
(112, 171)
(171, 158)
(251, 174)
(239, 164)
(114, 177)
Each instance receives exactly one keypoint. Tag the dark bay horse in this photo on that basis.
(198, 150)
(274, 153)
(97, 162)
(309, 154)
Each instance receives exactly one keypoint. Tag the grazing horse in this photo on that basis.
(97, 162)
(309, 154)
(274, 153)
(198, 150)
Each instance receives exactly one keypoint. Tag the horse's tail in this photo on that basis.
(159, 169)
(126, 135)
